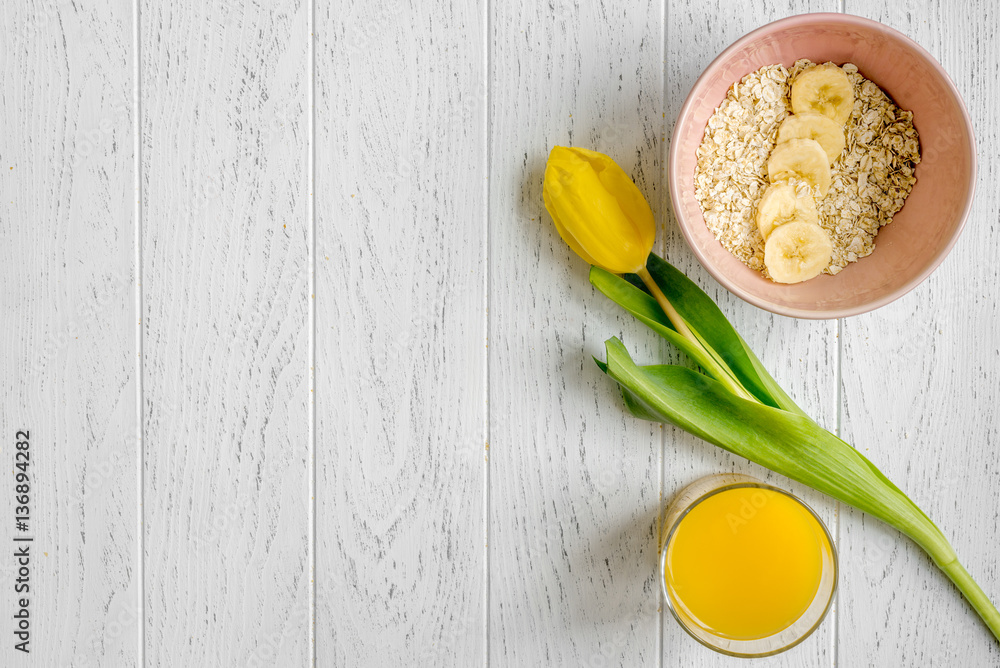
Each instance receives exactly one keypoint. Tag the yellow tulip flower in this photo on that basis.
(597, 210)
(604, 218)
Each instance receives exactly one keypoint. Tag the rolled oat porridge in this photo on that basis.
(871, 168)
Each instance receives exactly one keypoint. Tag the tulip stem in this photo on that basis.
(975, 595)
(706, 357)
(675, 318)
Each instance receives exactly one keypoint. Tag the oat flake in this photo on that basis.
(870, 180)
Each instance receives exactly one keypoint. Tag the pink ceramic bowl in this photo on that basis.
(925, 229)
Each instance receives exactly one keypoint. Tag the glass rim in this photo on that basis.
(739, 481)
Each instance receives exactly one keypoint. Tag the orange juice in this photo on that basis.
(745, 563)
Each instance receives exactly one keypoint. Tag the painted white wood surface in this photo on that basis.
(801, 354)
(400, 333)
(67, 365)
(481, 496)
(921, 385)
(225, 339)
(574, 482)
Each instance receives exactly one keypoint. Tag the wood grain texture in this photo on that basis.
(400, 333)
(921, 385)
(800, 354)
(574, 480)
(475, 504)
(67, 360)
(225, 303)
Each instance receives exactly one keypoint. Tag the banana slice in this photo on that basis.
(802, 159)
(825, 89)
(796, 252)
(810, 125)
(781, 205)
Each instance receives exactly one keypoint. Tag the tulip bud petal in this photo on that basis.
(598, 210)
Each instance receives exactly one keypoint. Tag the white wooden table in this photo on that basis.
(306, 368)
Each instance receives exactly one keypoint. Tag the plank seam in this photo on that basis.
(835, 635)
(311, 259)
(138, 305)
(487, 157)
(664, 207)
(835, 612)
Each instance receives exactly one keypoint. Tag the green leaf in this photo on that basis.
(702, 316)
(748, 413)
(785, 442)
(642, 305)
(638, 407)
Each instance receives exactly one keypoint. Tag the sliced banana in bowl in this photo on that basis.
(782, 204)
(797, 251)
(811, 125)
(824, 89)
(796, 248)
(802, 159)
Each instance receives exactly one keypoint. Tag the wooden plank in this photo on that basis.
(574, 481)
(67, 363)
(920, 394)
(400, 333)
(801, 354)
(225, 292)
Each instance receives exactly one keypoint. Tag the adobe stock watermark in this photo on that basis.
(880, 541)
(465, 456)
(609, 478)
(449, 459)
(910, 333)
(457, 118)
(613, 133)
(563, 10)
(943, 141)
(44, 18)
(121, 621)
(608, 653)
(330, 588)
(278, 126)
(444, 649)
(544, 543)
(749, 507)
(416, 330)
(92, 139)
(105, 295)
(951, 648)
(360, 33)
(205, 192)
(108, 469)
(271, 310)
(210, 530)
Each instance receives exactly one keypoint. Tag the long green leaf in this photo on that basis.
(785, 442)
(790, 444)
(702, 315)
(766, 427)
(643, 307)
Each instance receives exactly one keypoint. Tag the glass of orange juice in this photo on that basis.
(747, 569)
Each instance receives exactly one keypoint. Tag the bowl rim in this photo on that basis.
(820, 313)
